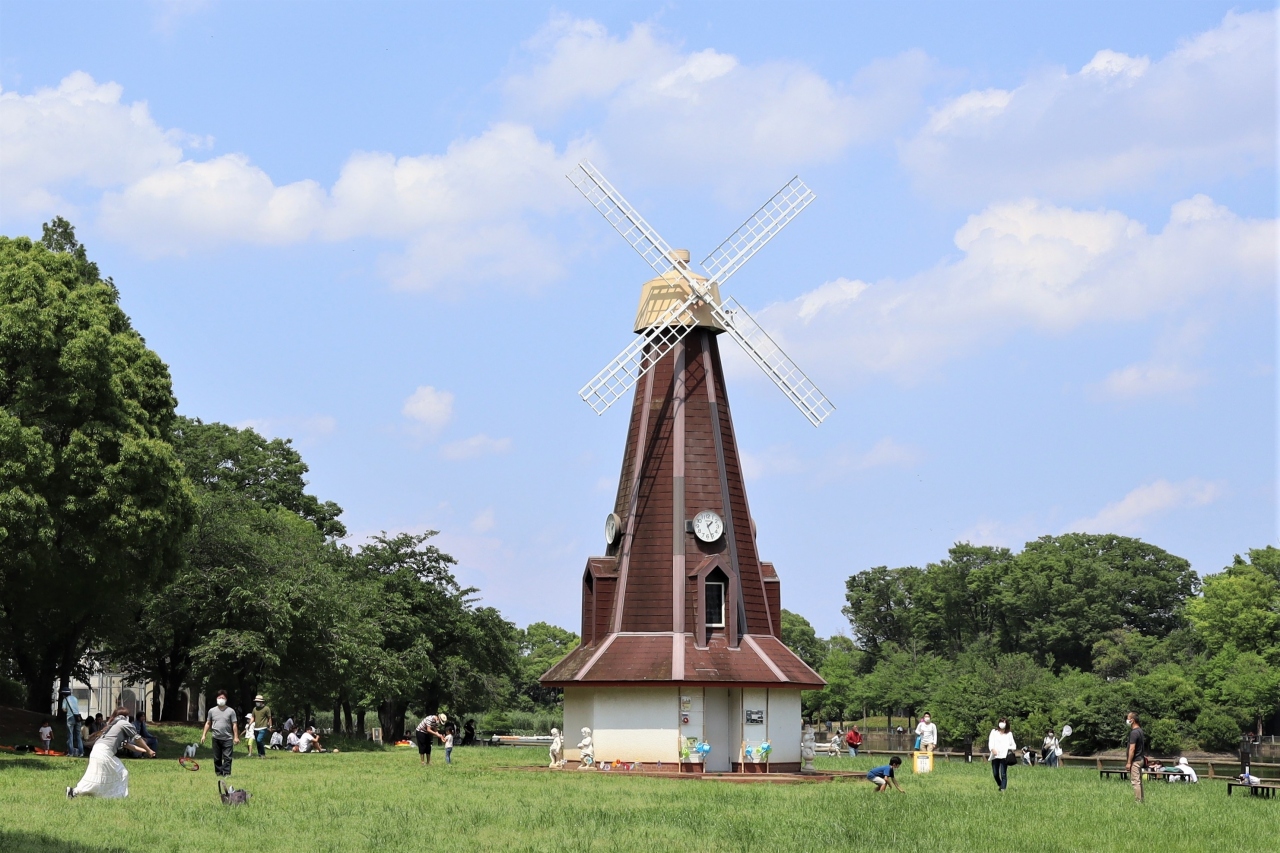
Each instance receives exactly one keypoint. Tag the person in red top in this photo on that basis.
(853, 739)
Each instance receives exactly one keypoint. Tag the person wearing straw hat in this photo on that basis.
(429, 727)
(263, 720)
(106, 775)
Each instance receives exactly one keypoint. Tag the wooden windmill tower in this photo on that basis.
(680, 618)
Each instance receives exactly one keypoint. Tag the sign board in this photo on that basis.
(755, 718)
(923, 762)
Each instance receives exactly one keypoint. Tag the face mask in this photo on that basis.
(257, 704)
(221, 701)
(1002, 726)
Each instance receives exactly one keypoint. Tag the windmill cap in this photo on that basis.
(680, 255)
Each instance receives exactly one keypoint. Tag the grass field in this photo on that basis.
(383, 801)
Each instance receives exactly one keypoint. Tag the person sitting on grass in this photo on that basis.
(883, 776)
(309, 742)
(292, 740)
(277, 742)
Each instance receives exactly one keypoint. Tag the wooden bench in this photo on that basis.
(1107, 773)
(1262, 789)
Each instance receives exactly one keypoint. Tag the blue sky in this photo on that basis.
(1039, 281)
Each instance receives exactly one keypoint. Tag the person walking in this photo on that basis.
(429, 727)
(262, 723)
(106, 775)
(1136, 756)
(71, 708)
(927, 732)
(853, 740)
(222, 720)
(1049, 749)
(1000, 752)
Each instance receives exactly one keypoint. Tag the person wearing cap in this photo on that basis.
(263, 720)
(428, 728)
(1183, 771)
(71, 707)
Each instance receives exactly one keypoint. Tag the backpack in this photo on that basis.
(231, 797)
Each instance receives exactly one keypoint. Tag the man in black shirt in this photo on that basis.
(1137, 755)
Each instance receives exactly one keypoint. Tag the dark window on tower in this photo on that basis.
(715, 604)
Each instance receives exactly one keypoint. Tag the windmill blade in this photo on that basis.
(644, 351)
(627, 221)
(766, 353)
(760, 228)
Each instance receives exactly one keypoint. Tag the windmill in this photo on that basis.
(656, 340)
(681, 660)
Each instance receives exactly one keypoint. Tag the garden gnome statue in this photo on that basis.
(557, 745)
(587, 750)
(808, 749)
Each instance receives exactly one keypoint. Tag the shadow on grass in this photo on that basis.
(33, 842)
(30, 764)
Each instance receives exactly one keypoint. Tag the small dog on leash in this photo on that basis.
(190, 751)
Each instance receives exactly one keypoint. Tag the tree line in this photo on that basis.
(1075, 629)
(191, 554)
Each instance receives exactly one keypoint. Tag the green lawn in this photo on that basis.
(382, 800)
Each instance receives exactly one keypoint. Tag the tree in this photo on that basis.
(1063, 594)
(879, 608)
(449, 652)
(92, 498)
(799, 636)
(1239, 607)
(255, 577)
(541, 646)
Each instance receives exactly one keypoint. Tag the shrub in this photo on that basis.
(12, 693)
(1217, 730)
(1164, 738)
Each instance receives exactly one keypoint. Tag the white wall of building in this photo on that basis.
(637, 724)
(784, 723)
(579, 707)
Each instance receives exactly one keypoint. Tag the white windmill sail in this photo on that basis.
(617, 377)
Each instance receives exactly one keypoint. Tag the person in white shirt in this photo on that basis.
(293, 741)
(928, 733)
(1183, 768)
(1000, 752)
(1049, 749)
(277, 740)
(310, 741)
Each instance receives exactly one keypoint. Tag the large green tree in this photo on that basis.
(1241, 607)
(92, 498)
(257, 580)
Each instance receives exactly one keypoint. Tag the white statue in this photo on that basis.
(557, 749)
(586, 750)
(808, 749)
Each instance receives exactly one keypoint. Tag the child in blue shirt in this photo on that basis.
(883, 775)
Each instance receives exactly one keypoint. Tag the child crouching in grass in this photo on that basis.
(883, 776)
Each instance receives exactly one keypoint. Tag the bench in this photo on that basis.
(1262, 789)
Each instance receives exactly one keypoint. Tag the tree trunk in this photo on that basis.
(39, 684)
(360, 721)
(172, 708)
(346, 712)
(306, 716)
(337, 717)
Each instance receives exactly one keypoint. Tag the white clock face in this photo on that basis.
(708, 526)
(611, 525)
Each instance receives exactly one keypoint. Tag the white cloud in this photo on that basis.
(476, 211)
(783, 460)
(885, 453)
(77, 134)
(1028, 264)
(484, 522)
(1151, 379)
(303, 430)
(1205, 110)
(429, 407)
(704, 115)
(475, 446)
(1130, 514)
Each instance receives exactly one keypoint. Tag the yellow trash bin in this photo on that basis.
(924, 762)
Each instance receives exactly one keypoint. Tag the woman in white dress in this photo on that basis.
(106, 775)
